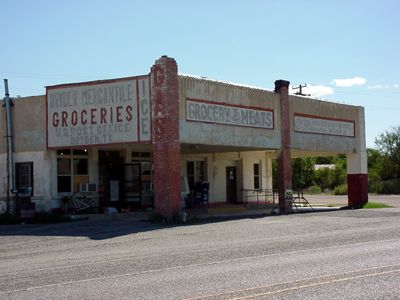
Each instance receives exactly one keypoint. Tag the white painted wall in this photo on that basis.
(3, 176)
(243, 161)
(357, 159)
(225, 94)
(41, 176)
(333, 117)
(93, 160)
(328, 112)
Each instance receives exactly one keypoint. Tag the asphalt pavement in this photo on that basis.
(333, 200)
(342, 254)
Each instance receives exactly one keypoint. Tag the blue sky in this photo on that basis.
(248, 42)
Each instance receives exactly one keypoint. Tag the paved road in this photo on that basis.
(331, 255)
(393, 200)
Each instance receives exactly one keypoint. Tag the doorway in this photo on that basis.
(111, 179)
(231, 196)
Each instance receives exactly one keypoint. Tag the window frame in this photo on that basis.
(18, 175)
(197, 170)
(72, 157)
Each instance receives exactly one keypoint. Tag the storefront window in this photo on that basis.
(72, 170)
(190, 174)
(196, 171)
(83, 152)
(80, 166)
(140, 156)
(24, 176)
(257, 176)
(64, 152)
(63, 166)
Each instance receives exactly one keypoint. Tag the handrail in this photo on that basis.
(259, 196)
(300, 201)
(270, 196)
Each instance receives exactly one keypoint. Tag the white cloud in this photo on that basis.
(316, 90)
(347, 82)
(376, 86)
(319, 90)
(380, 86)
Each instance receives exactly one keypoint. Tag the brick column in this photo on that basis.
(284, 156)
(165, 129)
(357, 167)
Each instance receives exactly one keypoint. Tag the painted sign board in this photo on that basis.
(320, 125)
(228, 114)
(99, 113)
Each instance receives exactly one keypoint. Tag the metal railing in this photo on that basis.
(300, 201)
(269, 196)
(259, 196)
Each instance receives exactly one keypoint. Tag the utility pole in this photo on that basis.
(10, 163)
(300, 88)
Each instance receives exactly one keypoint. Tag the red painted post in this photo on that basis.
(284, 155)
(357, 190)
(165, 129)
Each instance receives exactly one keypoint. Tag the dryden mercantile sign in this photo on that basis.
(319, 125)
(98, 113)
(214, 112)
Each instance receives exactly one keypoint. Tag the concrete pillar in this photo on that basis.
(357, 168)
(165, 129)
(268, 171)
(241, 177)
(93, 157)
(284, 156)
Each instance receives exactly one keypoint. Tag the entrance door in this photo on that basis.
(111, 179)
(231, 196)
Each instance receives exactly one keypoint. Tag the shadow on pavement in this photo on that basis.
(101, 229)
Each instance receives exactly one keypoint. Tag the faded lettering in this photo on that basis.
(324, 126)
(229, 115)
(96, 114)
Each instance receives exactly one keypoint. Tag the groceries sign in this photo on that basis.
(99, 113)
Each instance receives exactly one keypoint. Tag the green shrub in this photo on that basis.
(341, 189)
(391, 186)
(322, 178)
(375, 187)
(315, 189)
(385, 187)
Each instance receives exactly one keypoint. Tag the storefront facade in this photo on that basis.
(132, 140)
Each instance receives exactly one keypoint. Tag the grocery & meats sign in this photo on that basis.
(228, 114)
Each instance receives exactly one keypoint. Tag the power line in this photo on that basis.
(300, 92)
(43, 76)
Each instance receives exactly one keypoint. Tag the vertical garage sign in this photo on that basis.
(99, 113)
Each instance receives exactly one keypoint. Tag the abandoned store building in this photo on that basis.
(140, 141)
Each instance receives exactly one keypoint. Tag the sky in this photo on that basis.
(346, 51)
